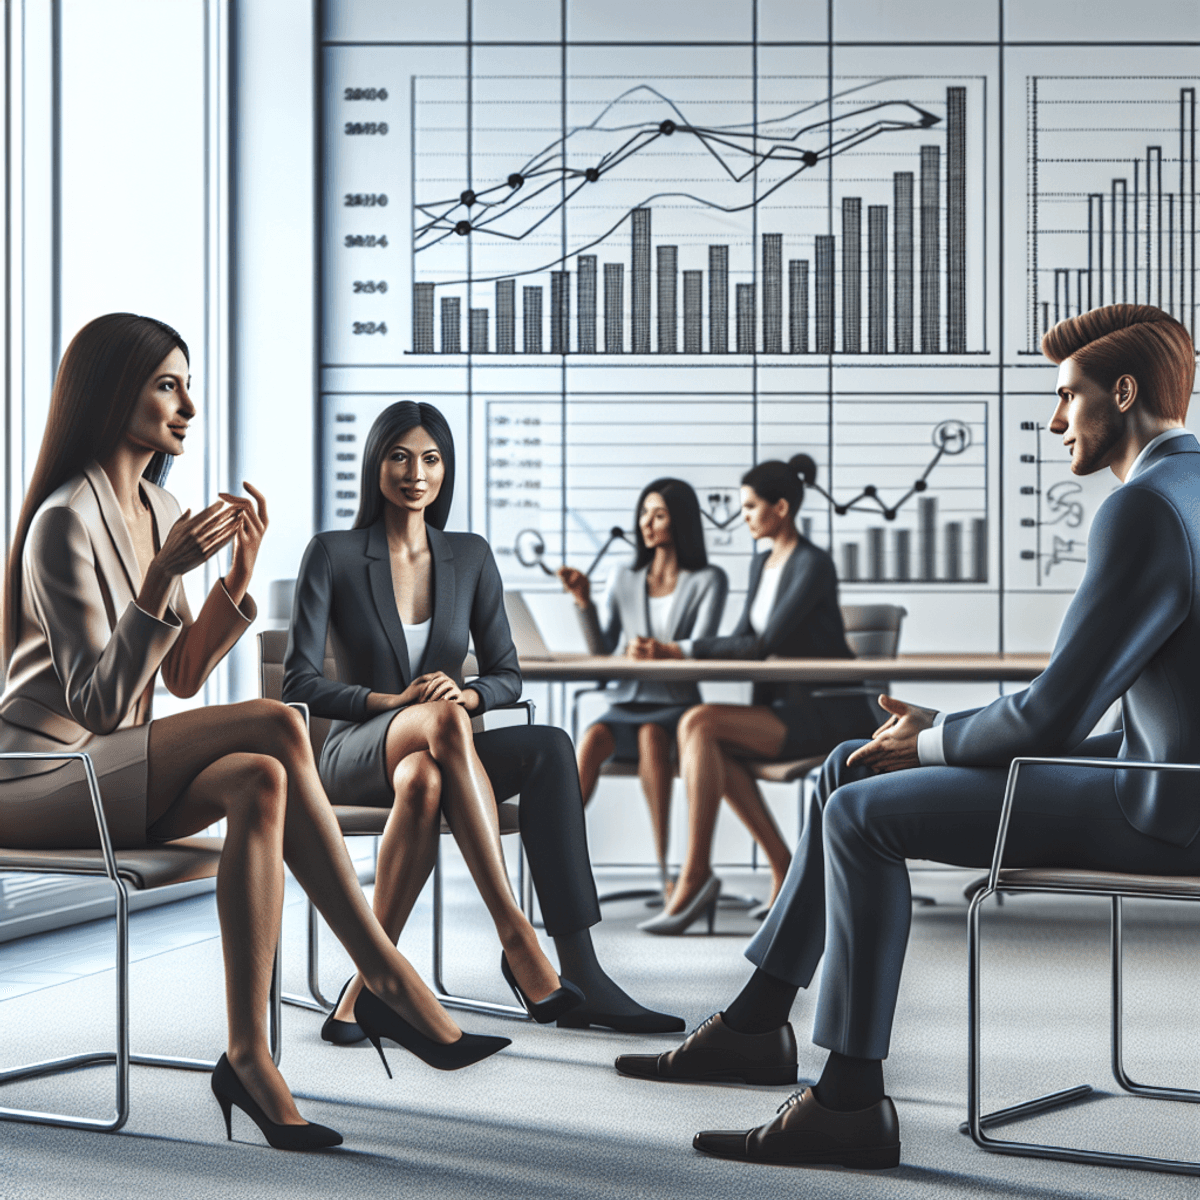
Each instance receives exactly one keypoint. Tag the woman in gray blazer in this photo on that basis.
(791, 611)
(399, 599)
(668, 593)
(94, 610)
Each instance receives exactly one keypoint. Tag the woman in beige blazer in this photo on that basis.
(94, 609)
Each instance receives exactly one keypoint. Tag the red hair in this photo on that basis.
(1130, 339)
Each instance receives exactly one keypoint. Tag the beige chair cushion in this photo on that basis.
(144, 868)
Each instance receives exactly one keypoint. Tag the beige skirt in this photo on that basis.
(53, 810)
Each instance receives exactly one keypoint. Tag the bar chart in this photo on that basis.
(1112, 196)
(643, 261)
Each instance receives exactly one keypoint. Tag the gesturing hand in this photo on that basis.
(194, 540)
(893, 746)
(251, 526)
(577, 583)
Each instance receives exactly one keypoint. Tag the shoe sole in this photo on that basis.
(876, 1158)
(767, 1076)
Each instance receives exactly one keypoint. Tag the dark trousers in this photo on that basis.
(847, 893)
(538, 762)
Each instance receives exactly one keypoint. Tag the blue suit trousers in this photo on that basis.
(847, 893)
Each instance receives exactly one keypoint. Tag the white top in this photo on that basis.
(764, 598)
(660, 616)
(416, 638)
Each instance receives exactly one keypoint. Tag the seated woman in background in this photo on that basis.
(399, 599)
(791, 611)
(94, 609)
(669, 592)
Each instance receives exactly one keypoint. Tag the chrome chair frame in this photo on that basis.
(121, 1057)
(977, 1122)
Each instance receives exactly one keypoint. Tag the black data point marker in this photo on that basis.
(668, 128)
(870, 490)
(841, 510)
(463, 228)
(810, 158)
(591, 174)
(920, 485)
(515, 180)
(889, 514)
(467, 198)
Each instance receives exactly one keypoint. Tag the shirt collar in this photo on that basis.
(1139, 463)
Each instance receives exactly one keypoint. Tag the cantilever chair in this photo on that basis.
(141, 869)
(1067, 881)
(364, 821)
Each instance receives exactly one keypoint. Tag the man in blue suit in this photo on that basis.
(930, 785)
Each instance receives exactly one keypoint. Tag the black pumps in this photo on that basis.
(228, 1089)
(378, 1021)
(560, 1001)
(341, 1033)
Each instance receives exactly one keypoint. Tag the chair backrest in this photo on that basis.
(873, 630)
(272, 646)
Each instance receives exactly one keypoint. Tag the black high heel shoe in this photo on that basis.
(337, 1032)
(377, 1021)
(228, 1089)
(551, 1007)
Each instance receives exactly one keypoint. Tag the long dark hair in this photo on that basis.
(390, 426)
(99, 379)
(687, 530)
(774, 480)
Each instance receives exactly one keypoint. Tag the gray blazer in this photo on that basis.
(86, 658)
(344, 591)
(695, 612)
(805, 622)
(1132, 631)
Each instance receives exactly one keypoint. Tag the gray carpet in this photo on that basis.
(550, 1118)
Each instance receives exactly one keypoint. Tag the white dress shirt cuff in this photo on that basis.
(929, 744)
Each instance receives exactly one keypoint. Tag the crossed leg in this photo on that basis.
(712, 740)
(252, 764)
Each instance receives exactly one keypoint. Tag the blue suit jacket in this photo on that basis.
(1132, 632)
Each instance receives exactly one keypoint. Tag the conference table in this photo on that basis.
(904, 668)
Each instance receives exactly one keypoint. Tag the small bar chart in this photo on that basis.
(887, 275)
(1113, 197)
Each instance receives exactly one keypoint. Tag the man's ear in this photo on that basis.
(1126, 392)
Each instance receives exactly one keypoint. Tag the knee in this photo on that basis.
(417, 783)
(283, 729)
(450, 728)
(835, 772)
(652, 739)
(261, 791)
(595, 739)
(696, 722)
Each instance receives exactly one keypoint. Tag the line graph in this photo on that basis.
(664, 229)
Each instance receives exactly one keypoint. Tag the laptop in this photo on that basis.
(526, 635)
(557, 614)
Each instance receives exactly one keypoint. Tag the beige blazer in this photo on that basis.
(86, 658)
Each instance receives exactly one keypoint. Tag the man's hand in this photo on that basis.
(893, 746)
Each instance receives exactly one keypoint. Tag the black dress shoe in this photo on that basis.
(805, 1133)
(714, 1053)
(341, 1033)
